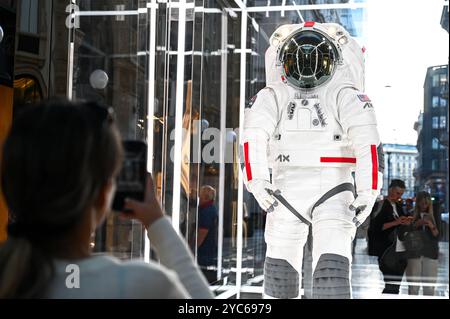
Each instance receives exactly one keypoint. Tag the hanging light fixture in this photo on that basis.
(99, 79)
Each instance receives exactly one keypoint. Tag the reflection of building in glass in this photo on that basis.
(115, 54)
(431, 173)
(41, 51)
(444, 140)
(33, 58)
(399, 163)
(351, 19)
(101, 42)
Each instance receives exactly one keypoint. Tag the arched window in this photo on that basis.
(26, 91)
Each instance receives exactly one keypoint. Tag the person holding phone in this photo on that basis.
(58, 175)
(422, 266)
(383, 233)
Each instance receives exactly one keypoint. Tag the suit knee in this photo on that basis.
(331, 278)
(281, 280)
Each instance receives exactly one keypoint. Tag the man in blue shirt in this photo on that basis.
(207, 232)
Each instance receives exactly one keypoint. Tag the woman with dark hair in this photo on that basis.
(423, 264)
(58, 174)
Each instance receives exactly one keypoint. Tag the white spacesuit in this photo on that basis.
(309, 138)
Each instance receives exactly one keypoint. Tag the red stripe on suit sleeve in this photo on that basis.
(248, 168)
(373, 150)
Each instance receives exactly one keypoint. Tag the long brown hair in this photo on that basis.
(424, 196)
(56, 159)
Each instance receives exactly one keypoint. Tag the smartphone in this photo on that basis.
(131, 180)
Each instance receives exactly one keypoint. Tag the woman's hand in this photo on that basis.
(430, 224)
(148, 211)
(404, 220)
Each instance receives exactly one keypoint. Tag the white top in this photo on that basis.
(108, 277)
(394, 208)
(399, 246)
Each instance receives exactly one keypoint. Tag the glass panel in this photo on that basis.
(160, 133)
(263, 18)
(104, 5)
(194, 133)
(177, 97)
(266, 6)
(197, 88)
(110, 66)
(217, 149)
(261, 25)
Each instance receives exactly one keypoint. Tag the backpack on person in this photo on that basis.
(371, 233)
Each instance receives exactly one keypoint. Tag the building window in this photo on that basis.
(435, 80)
(443, 122)
(443, 80)
(435, 101)
(29, 16)
(434, 165)
(435, 122)
(120, 7)
(435, 143)
(443, 102)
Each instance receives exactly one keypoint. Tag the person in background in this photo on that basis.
(58, 172)
(207, 233)
(382, 233)
(423, 264)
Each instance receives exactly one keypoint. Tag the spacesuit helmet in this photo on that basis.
(309, 58)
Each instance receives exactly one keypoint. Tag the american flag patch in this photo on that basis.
(363, 98)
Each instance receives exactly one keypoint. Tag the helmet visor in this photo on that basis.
(308, 59)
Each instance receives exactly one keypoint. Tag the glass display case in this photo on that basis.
(178, 75)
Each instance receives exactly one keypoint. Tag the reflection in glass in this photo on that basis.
(108, 67)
